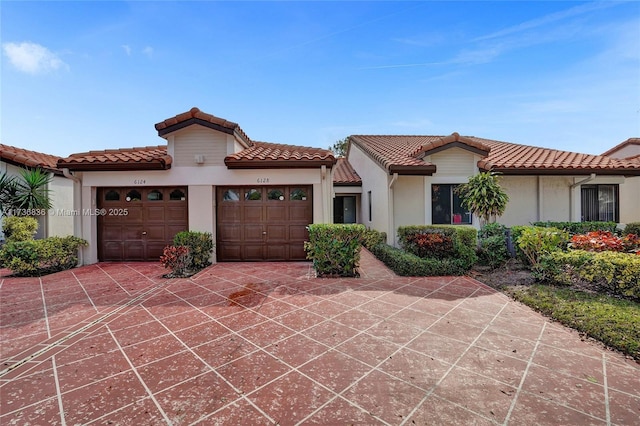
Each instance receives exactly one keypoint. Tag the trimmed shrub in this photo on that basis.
(19, 228)
(615, 272)
(372, 238)
(335, 249)
(200, 246)
(429, 244)
(632, 228)
(178, 259)
(408, 264)
(605, 241)
(41, 257)
(574, 228)
(492, 245)
(464, 240)
(534, 241)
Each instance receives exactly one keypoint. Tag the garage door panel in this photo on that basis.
(113, 250)
(277, 251)
(134, 250)
(296, 252)
(276, 212)
(178, 213)
(230, 233)
(155, 213)
(230, 251)
(155, 250)
(253, 213)
(132, 232)
(299, 212)
(134, 214)
(298, 232)
(253, 233)
(112, 232)
(230, 212)
(253, 252)
(155, 232)
(277, 232)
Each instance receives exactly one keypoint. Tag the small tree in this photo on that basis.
(483, 196)
(29, 192)
(340, 147)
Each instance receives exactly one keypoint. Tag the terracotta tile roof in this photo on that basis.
(398, 154)
(270, 155)
(27, 158)
(195, 116)
(345, 175)
(144, 158)
(628, 142)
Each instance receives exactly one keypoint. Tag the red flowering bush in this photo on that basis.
(605, 241)
(176, 258)
(430, 244)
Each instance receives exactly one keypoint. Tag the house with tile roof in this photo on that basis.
(256, 198)
(408, 180)
(58, 221)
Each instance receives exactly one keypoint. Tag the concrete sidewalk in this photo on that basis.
(268, 343)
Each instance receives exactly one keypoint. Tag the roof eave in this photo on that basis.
(533, 171)
(347, 183)
(233, 163)
(113, 167)
(426, 170)
(192, 121)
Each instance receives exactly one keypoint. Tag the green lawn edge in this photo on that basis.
(615, 322)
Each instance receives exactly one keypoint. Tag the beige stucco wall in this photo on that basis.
(376, 180)
(630, 200)
(62, 201)
(408, 202)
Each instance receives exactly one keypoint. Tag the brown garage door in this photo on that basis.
(263, 222)
(137, 223)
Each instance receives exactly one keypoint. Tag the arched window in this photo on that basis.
(177, 195)
(154, 195)
(275, 194)
(298, 194)
(231, 195)
(112, 195)
(133, 195)
(253, 195)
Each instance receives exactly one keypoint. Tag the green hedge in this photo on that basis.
(40, 257)
(19, 228)
(574, 228)
(632, 228)
(616, 272)
(372, 238)
(492, 245)
(408, 264)
(464, 240)
(200, 247)
(335, 249)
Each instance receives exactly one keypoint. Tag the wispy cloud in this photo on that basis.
(127, 49)
(148, 51)
(547, 19)
(32, 58)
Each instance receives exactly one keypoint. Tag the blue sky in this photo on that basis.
(79, 76)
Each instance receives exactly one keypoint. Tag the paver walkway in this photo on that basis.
(267, 343)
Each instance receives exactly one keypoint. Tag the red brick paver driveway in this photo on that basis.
(266, 343)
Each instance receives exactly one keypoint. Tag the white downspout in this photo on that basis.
(325, 195)
(591, 177)
(77, 206)
(392, 230)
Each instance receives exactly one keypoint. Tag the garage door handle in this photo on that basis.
(144, 232)
(264, 232)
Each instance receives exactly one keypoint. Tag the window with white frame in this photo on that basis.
(600, 203)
